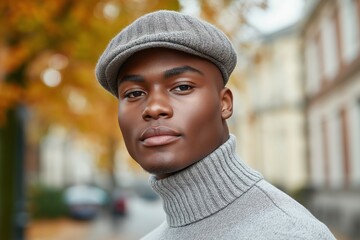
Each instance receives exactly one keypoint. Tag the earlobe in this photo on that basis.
(226, 103)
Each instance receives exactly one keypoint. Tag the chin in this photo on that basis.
(160, 170)
(158, 162)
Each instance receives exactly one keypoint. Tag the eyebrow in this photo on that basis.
(167, 74)
(131, 78)
(180, 70)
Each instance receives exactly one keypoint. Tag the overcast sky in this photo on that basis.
(280, 14)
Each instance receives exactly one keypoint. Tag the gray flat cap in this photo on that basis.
(167, 29)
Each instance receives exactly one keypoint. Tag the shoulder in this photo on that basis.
(280, 201)
(156, 233)
(292, 219)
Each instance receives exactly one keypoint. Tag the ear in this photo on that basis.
(226, 103)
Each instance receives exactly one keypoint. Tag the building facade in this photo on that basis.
(272, 122)
(331, 54)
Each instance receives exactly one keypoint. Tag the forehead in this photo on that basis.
(163, 56)
(163, 59)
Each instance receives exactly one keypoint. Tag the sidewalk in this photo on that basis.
(58, 229)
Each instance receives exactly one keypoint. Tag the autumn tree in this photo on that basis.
(48, 50)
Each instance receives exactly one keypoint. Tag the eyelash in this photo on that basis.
(128, 94)
(188, 87)
(138, 93)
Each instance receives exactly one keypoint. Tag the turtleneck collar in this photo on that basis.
(205, 187)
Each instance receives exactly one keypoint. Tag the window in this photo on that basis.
(349, 29)
(312, 67)
(345, 153)
(329, 43)
(325, 149)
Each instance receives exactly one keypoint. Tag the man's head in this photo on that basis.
(166, 29)
(173, 104)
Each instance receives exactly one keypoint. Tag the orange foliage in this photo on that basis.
(12, 57)
(48, 52)
(34, 33)
(9, 96)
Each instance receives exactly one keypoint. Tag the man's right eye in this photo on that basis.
(134, 94)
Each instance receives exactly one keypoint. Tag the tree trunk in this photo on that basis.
(12, 214)
(12, 146)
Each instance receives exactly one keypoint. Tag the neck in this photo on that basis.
(205, 187)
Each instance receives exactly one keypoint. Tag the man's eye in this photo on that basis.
(134, 94)
(184, 87)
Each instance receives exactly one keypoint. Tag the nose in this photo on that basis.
(157, 106)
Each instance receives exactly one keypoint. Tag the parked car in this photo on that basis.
(84, 201)
(145, 192)
(119, 202)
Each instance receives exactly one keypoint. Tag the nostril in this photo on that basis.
(155, 116)
(146, 117)
(157, 108)
(163, 114)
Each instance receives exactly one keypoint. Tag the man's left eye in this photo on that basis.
(183, 88)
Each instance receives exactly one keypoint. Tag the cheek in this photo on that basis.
(126, 122)
(203, 113)
(121, 119)
(127, 134)
(126, 113)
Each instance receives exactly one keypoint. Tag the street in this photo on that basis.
(142, 217)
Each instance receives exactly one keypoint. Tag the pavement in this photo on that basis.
(58, 229)
(142, 216)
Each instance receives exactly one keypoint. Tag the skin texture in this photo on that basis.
(172, 109)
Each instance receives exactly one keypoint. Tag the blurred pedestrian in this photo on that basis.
(169, 71)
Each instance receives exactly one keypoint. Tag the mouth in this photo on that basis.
(158, 136)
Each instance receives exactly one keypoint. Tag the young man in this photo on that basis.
(169, 71)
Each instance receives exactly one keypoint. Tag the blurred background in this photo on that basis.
(64, 170)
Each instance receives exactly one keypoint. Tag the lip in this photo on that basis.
(158, 136)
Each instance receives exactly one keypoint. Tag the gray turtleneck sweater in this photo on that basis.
(220, 197)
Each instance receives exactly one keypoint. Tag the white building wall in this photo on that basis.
(274, 130)
(51, 157)
(354, 125)
(275, 161)
(329, 43)
(292, 73)
(259, 150)
(312, 66)
(80, 165)
(265, 84)
(284, 155)
(335, 148)
(276, 72)
(316, 150)
(349, 29)
(297, 174)
(65, 160)
(346, 96)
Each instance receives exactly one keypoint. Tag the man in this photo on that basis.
(169, 71)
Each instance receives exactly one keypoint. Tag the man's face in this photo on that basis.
(172, 109)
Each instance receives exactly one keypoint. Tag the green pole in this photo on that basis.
(12, 198)
(7, 176)
(12, 148)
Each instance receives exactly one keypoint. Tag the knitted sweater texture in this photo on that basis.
(220, 197)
